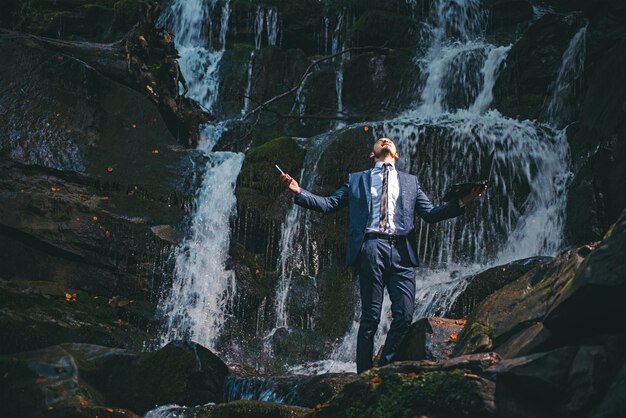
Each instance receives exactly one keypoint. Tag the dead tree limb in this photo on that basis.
(264, 106)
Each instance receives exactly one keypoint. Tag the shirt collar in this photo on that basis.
(379, 166)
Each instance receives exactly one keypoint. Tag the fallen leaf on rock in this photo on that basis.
(375, 381)
(471, 375)
(70, 297)
(452, 338)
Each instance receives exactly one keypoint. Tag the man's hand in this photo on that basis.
(290, 183)
(476, 192)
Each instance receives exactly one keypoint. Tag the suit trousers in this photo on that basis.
(384, 262)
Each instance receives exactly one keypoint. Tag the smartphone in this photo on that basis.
(278, 168)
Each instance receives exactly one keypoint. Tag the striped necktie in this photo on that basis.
(384, 199)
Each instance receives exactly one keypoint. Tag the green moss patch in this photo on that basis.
(394, 395)
(258, 170)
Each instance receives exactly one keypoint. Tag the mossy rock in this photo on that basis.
(395, 395)
(241, 409)
(258, 171)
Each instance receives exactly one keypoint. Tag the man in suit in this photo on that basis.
(381, 235)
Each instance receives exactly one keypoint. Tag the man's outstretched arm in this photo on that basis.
(309, 200)
(432, 214)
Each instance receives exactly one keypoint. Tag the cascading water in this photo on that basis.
(559, 110)
(195, 307)
(266, 21)
(338, 44)
(446, 139)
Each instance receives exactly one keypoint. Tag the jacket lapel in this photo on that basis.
(366, 181)
(405, 193)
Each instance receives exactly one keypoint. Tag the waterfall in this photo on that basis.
(489, 72)
(567, 84)
(294, 239)
(247, 97)
(447, 138)
(197, 24)
(300, 102)
(338, 44)
(202, 290)
(266, 20)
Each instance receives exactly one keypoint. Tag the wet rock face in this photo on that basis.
(512, 310)
(566, 381)
(598, 140)
(299, 390)
(486, 282)
(558, 318)
(36, 314)
(81, 376)
(61, 227)
(98, 21)
(532, 65)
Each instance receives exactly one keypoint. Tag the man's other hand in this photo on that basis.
(290, 183)
(476, 192)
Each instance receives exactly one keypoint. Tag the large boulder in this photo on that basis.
(593, 302)
(514, 309)
(394, 393)
(88, 375)
(566, 381)
(486, 282)
(613, 402)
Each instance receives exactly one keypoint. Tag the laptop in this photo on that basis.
(456, 191)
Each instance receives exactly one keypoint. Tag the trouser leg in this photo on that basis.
(400, 280)
(371, 268)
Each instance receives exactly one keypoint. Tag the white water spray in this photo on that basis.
(202, 291)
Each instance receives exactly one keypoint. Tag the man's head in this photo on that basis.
(383, 150)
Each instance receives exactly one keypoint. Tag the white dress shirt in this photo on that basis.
(394, 211)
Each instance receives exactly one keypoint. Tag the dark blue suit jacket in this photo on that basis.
(356, 194)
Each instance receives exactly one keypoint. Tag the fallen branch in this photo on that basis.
(309, 69)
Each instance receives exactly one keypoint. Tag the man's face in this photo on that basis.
(383, 147)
